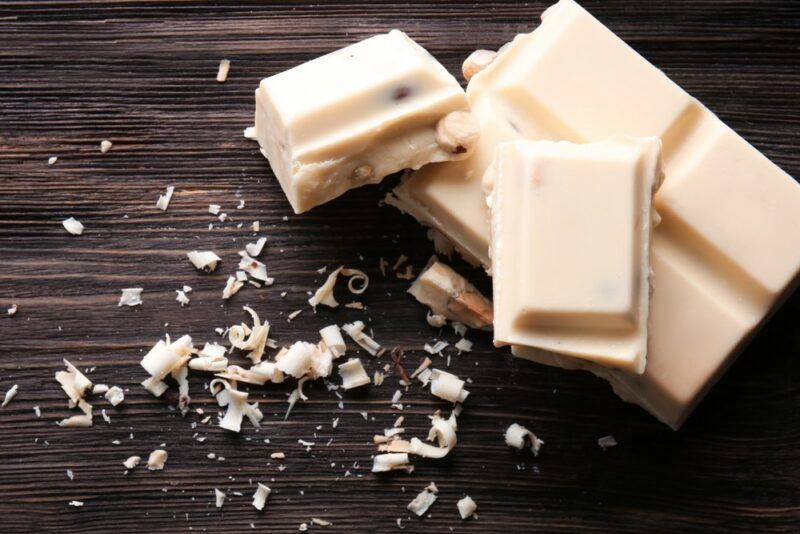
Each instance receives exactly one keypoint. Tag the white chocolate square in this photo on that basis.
(743, 208)
(354, 116)
(570, 246)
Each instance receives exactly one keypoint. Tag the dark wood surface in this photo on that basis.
(142, 74)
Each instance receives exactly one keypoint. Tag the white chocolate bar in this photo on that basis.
(358, 114)
(728, 247)
(570, 230)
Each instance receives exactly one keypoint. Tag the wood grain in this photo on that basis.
(141, 73)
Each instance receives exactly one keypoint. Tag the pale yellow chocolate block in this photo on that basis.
(358, 114)
(571, 228)
(729, 242)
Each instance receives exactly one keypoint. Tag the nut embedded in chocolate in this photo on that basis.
(476, 62)
(457, 132)
(363, 173)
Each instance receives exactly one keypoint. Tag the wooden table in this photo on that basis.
(142, 75)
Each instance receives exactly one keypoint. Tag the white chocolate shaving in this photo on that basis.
(155, 386)
(448, 386)
(105, 145)
(208, 363)
(182, 298)
(390, 462)
(436, 348)
(400, 260)
(12, 311)
(99, 389)
(606, 442)
(260, 496)
(407, 274)
(436, 320)
(378, 377)
(424, 365)
(463, 345)
(292, 400)
(204, 260)
(219, 498)
(132, 462)
(181, 376)
(397, 396)
(76, 421)
(131, 296)
(356, 332)
(232, 286)
(165, 357)
(254, 249)
(321, 363)
(222, 75)
(252, 339)
(519, 437)
(459, 328)
(324, 295)
(73, 382)
(157, 460)
(443, 432)
(425, 377)
(356, 276)
(466, 507)
(239, 374)
(423, 501)
(52, 160)
(268, 370)
(115, 395)
(212, 350)
(353, 374)
(333, 340)
(163, 200)
(73, 226)
(10, 394)
(297, 360)
(238, 407)
(255, 268)
(214, 209)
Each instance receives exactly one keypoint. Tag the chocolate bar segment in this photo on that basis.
(358, 114)
(571, 227)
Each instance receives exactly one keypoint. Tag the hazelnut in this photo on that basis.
(363, 173)
(476, 62)
(457, 132)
